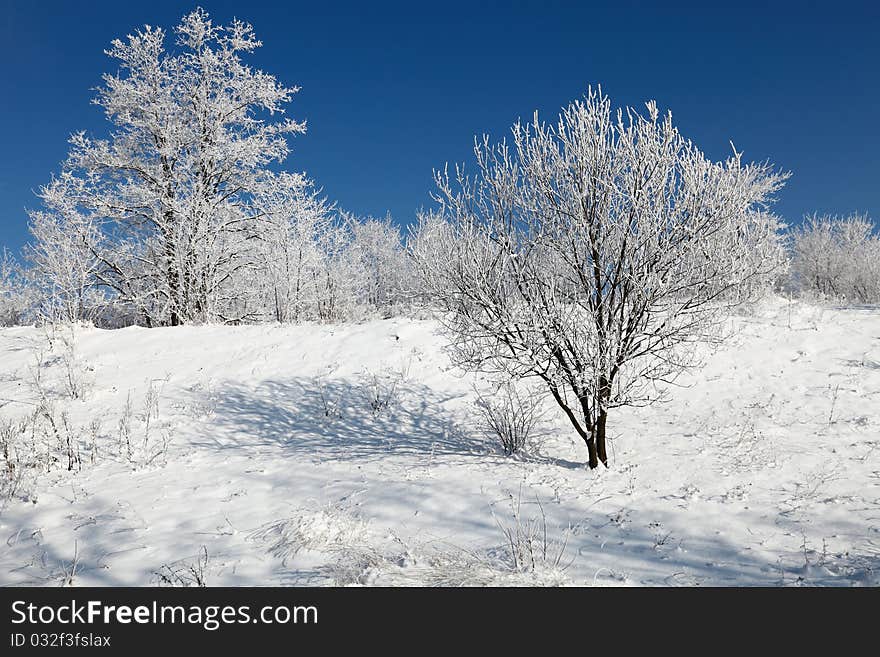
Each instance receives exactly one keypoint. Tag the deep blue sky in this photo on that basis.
(392, 90)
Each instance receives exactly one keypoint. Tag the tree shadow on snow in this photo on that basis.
(338, 419)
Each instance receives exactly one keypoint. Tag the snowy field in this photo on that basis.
(352, 454)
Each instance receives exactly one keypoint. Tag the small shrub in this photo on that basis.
(15, 461)
(381, 390)
(78, 375)
(331, 401)
(510, 416)
(528, 546)
(528, 556)
(184, 573)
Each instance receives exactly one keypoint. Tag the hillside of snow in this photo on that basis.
(353, 454)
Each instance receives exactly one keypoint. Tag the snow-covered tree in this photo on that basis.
(766, 263)
(837, 258)
(379, 263)
(14, 291)
(332, 282)
(297, 222)
(63, 266)
(593, 254)
(173, 186)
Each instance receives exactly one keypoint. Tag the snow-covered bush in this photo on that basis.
(510, 416)
(330, 528)
(380, 389)
(185, 573)
(326, 266)
(15, 460)
(531, 553)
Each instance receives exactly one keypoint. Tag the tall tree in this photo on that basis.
(172, 188)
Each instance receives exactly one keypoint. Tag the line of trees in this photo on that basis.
(836, 259)
(182, 214)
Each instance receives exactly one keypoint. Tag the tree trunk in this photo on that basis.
(600, 438)
(588, 434)
(173, 278)
(591, 449)
(602, 415)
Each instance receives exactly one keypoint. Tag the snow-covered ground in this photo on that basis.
(259, 459)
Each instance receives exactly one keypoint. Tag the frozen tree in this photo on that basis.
(766, 264)
(173, 186)
(318, 264)
(14, 291)
(297, 221)
(378, 263)
(837, 258)
(593, 254)
(866, 280)
(332, 281)
(63, 267)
